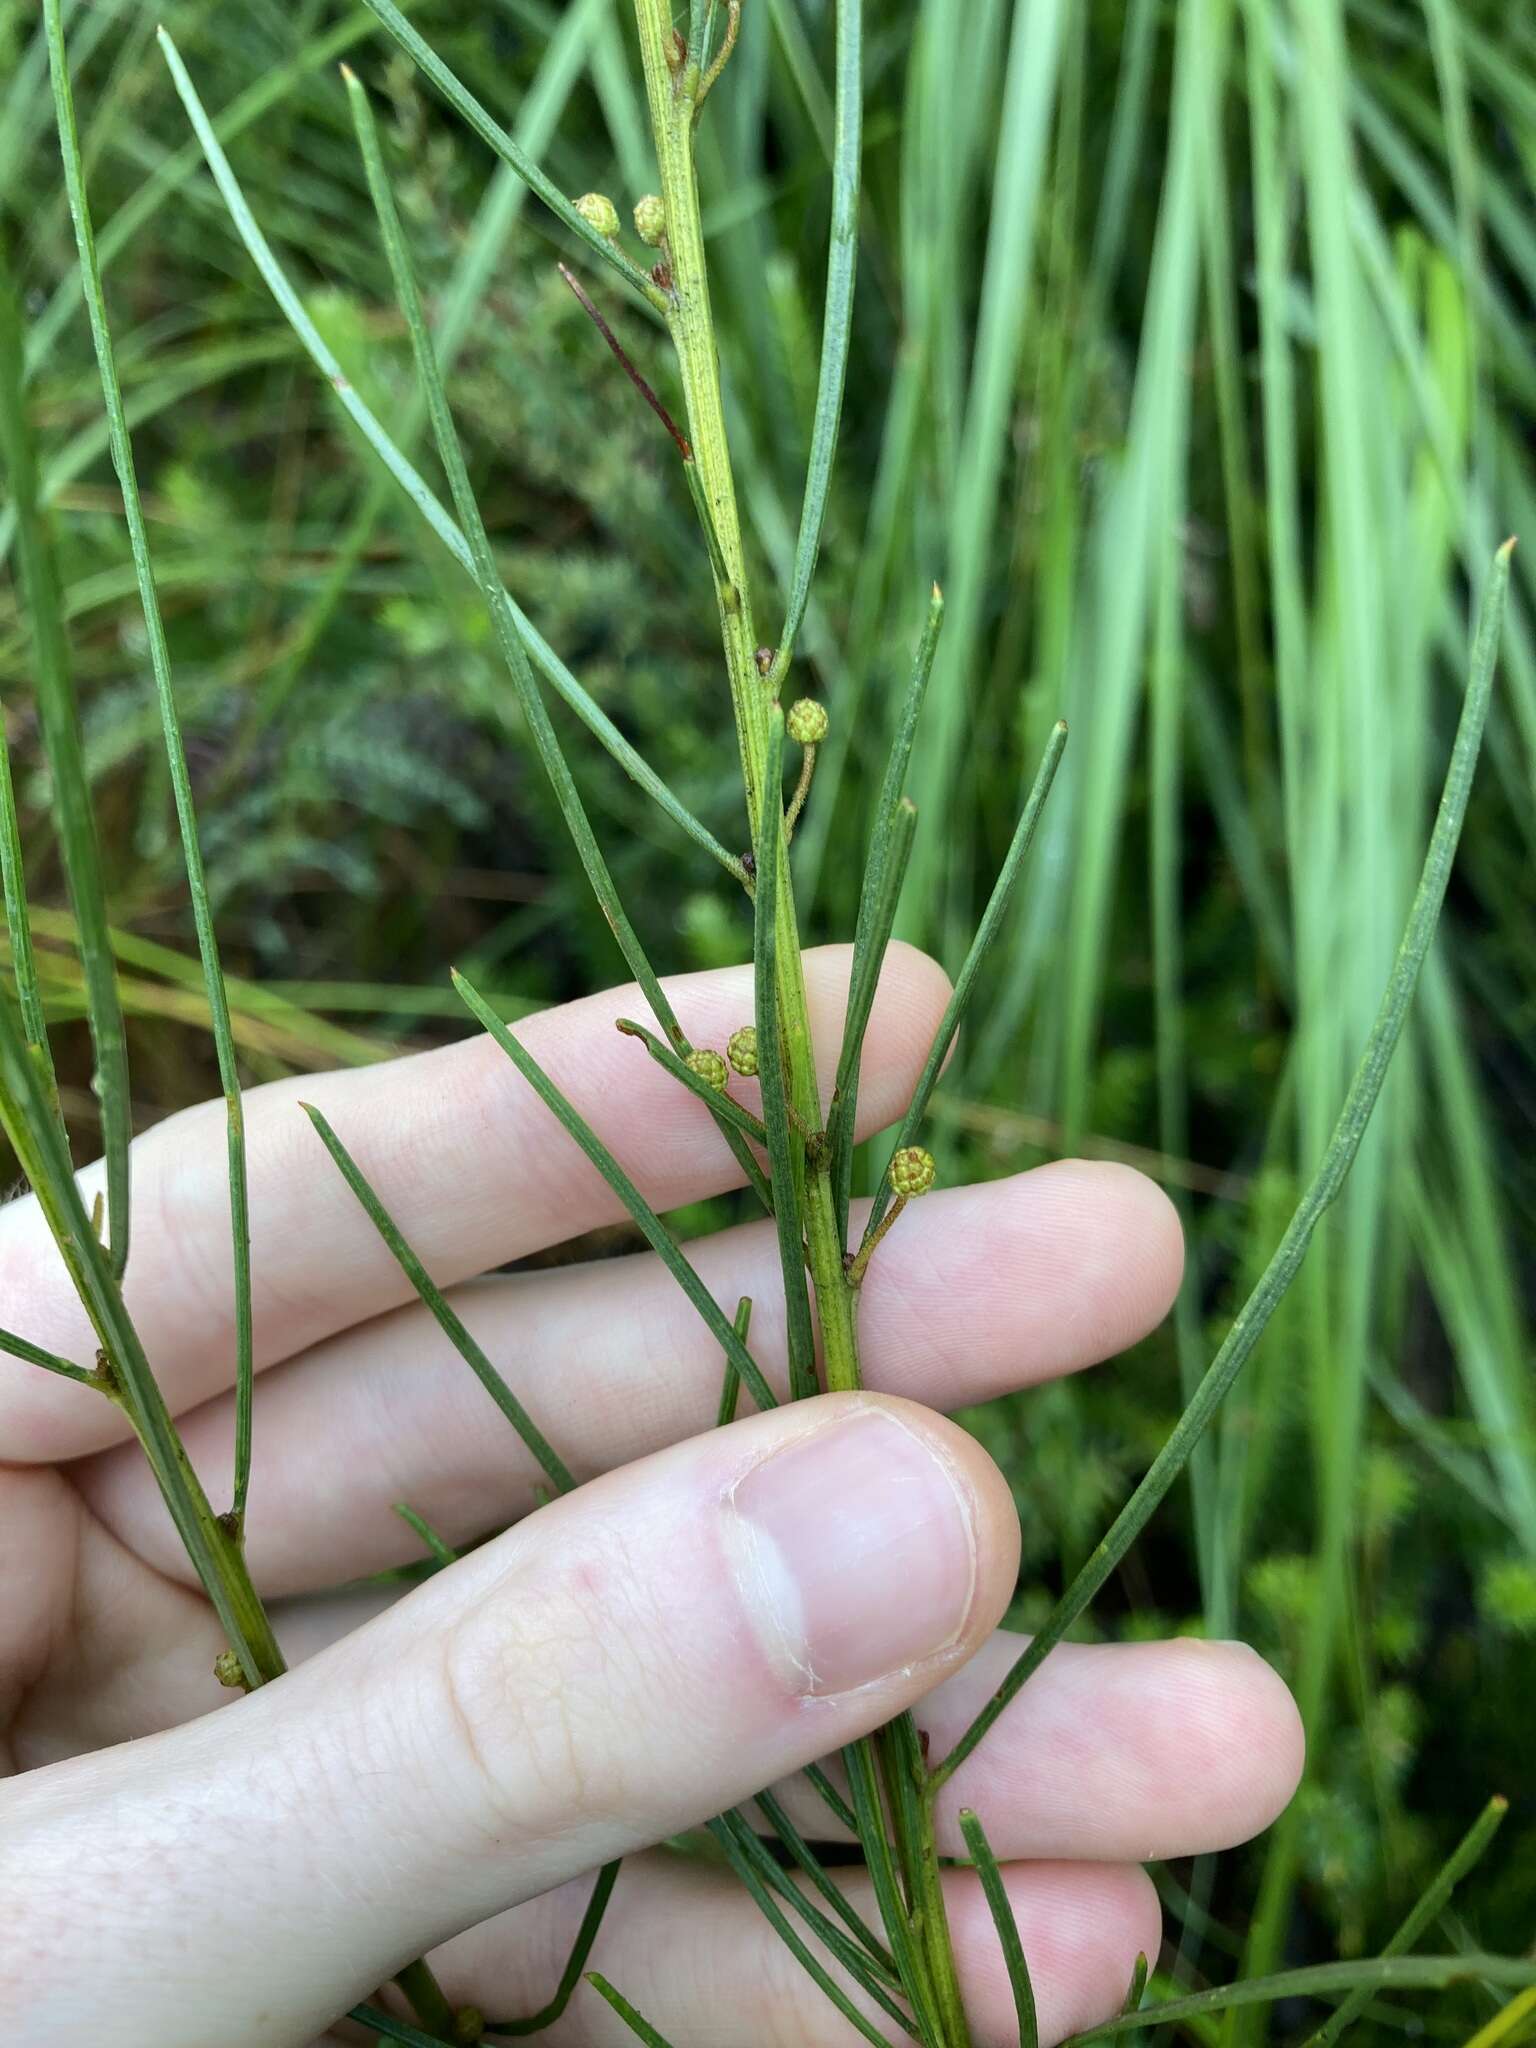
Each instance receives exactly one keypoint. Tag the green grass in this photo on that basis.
(1192, 352)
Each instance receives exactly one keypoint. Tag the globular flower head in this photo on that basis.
(912, 1172)
(599, 211)
(650, 219)
(806, 722)
(741, 1049)
(709, 1067)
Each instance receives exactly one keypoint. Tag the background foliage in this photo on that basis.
(1194, 354)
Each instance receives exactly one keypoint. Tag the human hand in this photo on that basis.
(708, 1613)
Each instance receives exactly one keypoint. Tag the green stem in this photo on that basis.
(671, 97)
(690, 321)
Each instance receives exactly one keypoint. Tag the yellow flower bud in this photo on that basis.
(599, 211)
(806, 722)
(912, 1172)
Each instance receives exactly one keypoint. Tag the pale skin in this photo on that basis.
(706, 1614)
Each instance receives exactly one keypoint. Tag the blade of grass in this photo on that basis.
(786, 1173)
(965, 981)
(1468, 1852)
(408, 477)
(443, 1551)
(996, 1894)
(60, 720)
(651, 1227)
(1330, 1176)
(469, 109)
(636, 2022)
(837, 323)
(432, 1297)
(175, 751)
(575, 1963)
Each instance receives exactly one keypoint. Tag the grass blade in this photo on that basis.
(409, 478)
(1330, 1177)
(175, 751)
(1007, 1927)
(636, 2022)
(470, 111)
(651, 1227)
(837, 322)
(1463, 1857)
(60, 720)
(965, 981)
(576, 1962)
(786, 1172)
(433, 1298)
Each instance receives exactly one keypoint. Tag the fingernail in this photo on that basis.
(857, 1552)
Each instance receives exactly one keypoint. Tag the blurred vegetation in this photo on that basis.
(1194, 354)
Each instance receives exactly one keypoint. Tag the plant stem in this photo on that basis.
(691, 324)
(671, 94)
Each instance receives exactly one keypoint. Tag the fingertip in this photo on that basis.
(1256, 1741)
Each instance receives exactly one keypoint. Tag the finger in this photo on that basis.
(471, 1164)
(1120, 1752)
(686, 1944)
(983, 1290)
(634, 1658)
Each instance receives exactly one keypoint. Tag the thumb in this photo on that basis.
(640, 1655)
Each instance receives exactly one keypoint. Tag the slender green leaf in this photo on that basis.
(60, 720)
(18, 922)
(873, 928)
(837, 321)
(1135, 1991)
(442, 1550)
(965, 981)
(636, 2022)
(870, 942)
(26, 1116)
(34, 1354)
(870, 1828)
(774, 1914)
(1329, 1178)
(1007, 1927)
(175, 751)
(409, 479)
(1467, 1853)
(784, 1155)
(1381, 1973)
(464, 103)
(446, 1317)
(680, 1071)
(730, 1384)
(807, 1860)
(651, 1227)
(575, 1962)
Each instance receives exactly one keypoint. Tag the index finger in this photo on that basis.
(473, 1167)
